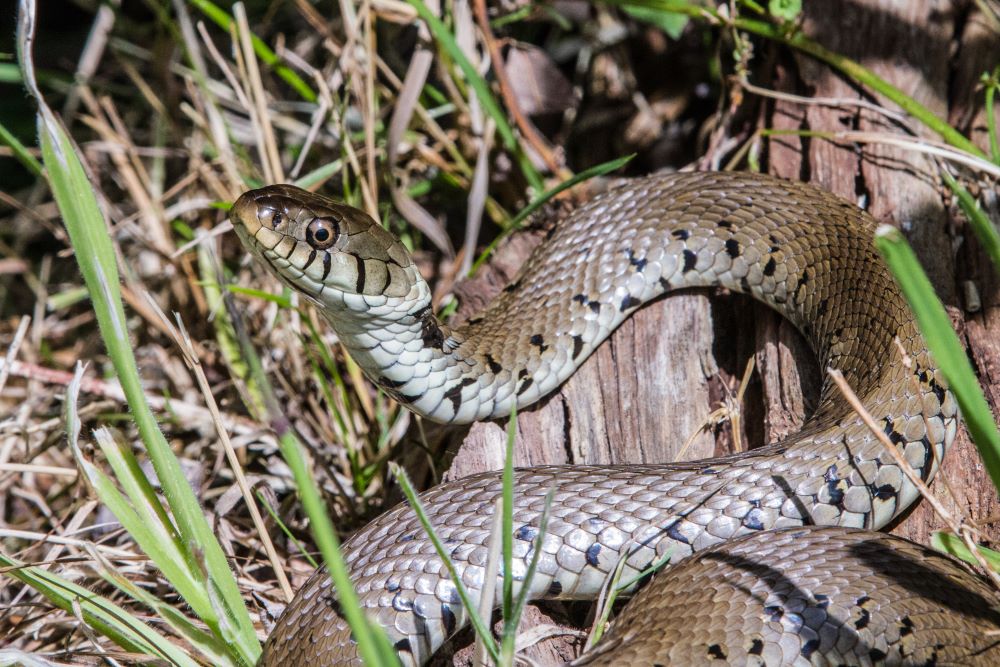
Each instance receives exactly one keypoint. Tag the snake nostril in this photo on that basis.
(276, 219)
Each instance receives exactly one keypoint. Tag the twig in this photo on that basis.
(958, 526)
(506, 90)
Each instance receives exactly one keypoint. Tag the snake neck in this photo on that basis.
(769, 239)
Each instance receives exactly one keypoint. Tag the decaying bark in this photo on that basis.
(650, 389)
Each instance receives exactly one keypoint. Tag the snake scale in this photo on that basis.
(774, 558)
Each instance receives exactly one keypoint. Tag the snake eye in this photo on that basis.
(322, 233)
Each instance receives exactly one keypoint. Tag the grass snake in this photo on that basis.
(773, 551)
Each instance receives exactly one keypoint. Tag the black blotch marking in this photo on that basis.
(580, 298)
(889, 428)
(863, 620)
(877, 655)
(756, 647)
(403, 398)
(674, 533)
(513, 286)
(638, 263)
(523, 373)
(326, 266)
(555, 589)
(831, 478)
(310, 259)
(709, 471)
(770, 267)
(476, 319)
(387, 383)
(905, 626)
(883, 492)
(448, 618)
(403, 645)
(333, 604)
(595, 306)
(862, 601)
(774, 248)
(629, 302)
(744, 285)
(524, 386)
(492, 364)
(716, 652)
(681, 234)
(455, 393)
(400, 603)
(733, 248)
(936, 388)
(774, 612)
(593, 553)
(408, 538)
(925, 471)
(526, 532)
(665, 284)
(725, 223)
(577, 346)
(689, 260)
(802, 282)
(753, 519)
(809, 648)
(824, 305)
(360, 286)
(822, 601)
(538, 342)
(392, 586)
(430, 330)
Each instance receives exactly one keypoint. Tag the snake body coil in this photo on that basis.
(766, 585)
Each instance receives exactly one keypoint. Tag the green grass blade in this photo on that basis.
(985, 230)
(443, 35)
(954, 545)
(992, 83)
(219, 17)
(481, 628)
(20, 151)
(944, 345)
(373, 645)
(538, 202)
(511, 623)
(797, 40)
(99, 613)
(74, 195)
(507, 525)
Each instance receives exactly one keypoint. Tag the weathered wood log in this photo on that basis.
(648, 391)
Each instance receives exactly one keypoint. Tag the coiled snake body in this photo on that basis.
(785, 568)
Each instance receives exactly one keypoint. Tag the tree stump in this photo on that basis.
(649, 389)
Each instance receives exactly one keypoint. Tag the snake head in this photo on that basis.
(328, 250)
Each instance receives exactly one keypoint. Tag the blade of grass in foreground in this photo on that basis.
(538, 202)
(443, 35)
(954, 545)
(373, 645)
(99, 613)
(944, 345)
(74, 195)
(481, 628)
(985, 231)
